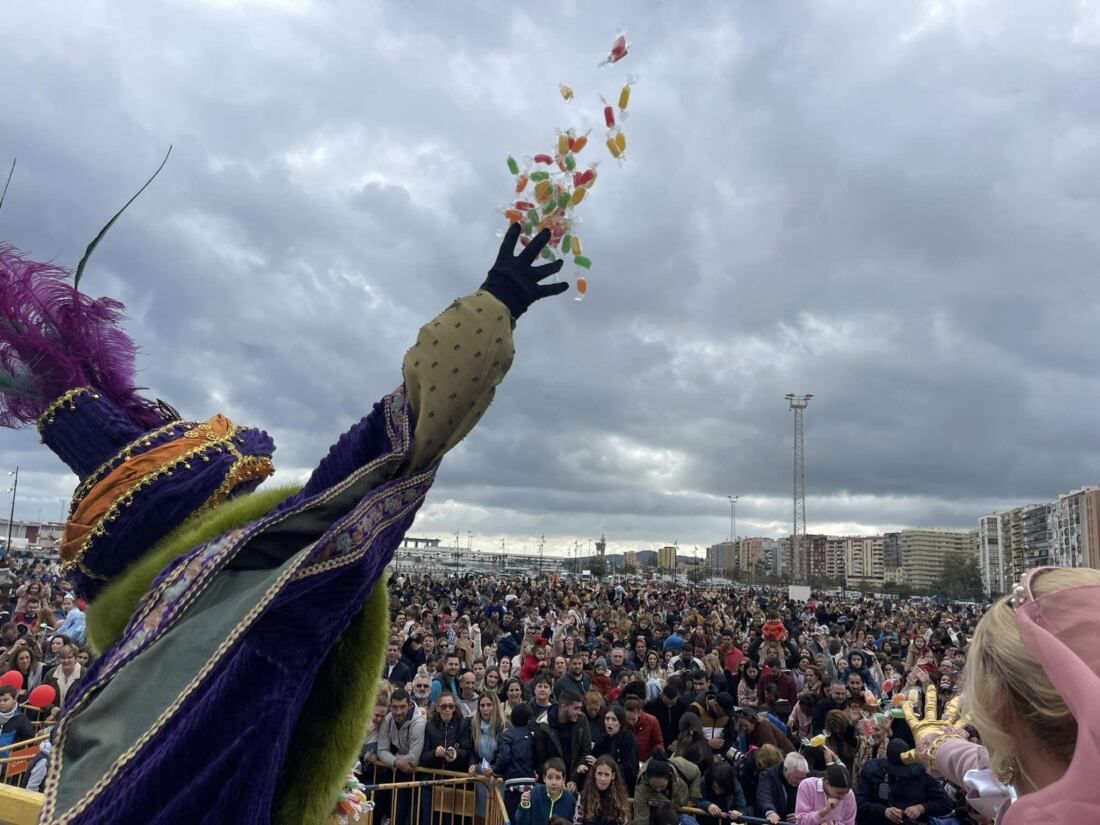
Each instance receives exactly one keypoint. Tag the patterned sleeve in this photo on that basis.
(450, 373)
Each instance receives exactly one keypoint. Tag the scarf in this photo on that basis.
(7, 717)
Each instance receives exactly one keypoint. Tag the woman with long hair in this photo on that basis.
(691, 743)
(619, 743)
(654, 669)
(746, 685)
(490, 682)
(505, 668)
(604, 800)
(486, 726)
(24, 659)
(1030, 691)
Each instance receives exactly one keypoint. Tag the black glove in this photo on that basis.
(514, 280)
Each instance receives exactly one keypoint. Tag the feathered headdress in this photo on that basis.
(67, 365)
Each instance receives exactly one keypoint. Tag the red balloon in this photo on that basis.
(42, 696)
(13, 678)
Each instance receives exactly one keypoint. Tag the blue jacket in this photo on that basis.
(542, 808)
(515, 754)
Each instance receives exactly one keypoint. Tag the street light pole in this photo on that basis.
(14, 490)
(733, 518)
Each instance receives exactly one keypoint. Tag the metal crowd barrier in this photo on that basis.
(432, 797)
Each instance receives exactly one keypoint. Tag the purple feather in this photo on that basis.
(54, 338)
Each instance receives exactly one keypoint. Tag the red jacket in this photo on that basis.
(733, 659)
(788, 689)
(648, 735)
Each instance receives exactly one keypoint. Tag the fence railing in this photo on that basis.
(432, 797)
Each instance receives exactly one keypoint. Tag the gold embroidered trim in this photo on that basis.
(57, 767)
(53, 774)
(67, 400)
(245, 468)
(145, 440)
(127, 498)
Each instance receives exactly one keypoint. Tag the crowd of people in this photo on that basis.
(43, 640)
(630, 702)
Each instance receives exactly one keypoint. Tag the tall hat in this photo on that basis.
(67, 366)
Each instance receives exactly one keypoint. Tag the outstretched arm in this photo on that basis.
(451, 372)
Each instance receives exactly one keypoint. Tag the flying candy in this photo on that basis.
(554, 194)
(624, 96)
(619, 49)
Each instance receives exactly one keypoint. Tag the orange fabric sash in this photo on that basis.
(128, 475)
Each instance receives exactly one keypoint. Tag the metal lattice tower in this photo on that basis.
(798, 537)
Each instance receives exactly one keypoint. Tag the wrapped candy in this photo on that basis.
(546, 197)
(619, 49)
(624, 95)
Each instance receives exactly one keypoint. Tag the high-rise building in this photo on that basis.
(863, 562)
(1073, 530)
(723, 558)
(891, 554)
(814, 550)
(751, 552)
(771, 555)
(630, 559)
(666, 558)
(994, 560)
(836, 557)
(925, 552)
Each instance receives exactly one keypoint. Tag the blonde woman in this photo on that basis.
(1031, 691)
(486, 726)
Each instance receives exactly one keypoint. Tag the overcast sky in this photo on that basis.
(893, 206)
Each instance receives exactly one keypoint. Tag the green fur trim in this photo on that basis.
(333, 723)
(108, 616)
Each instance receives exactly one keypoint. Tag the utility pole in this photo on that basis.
(542, 547)
(503, 563)
(798, 404)
(14, 490)
(733, 525)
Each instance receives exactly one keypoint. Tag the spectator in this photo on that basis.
(748, 684)
(73, 624)
(721, 793)
(513, 696)
(777, 789)
(692, 744)
(515, 759)
(784, 683)
(759, 731)
(448, 679)
(447, 742)
(644, 727)
(14, 725)
(575, 678)
(658, 782)
(548, 800)
(890, 791)
(604, 800)
(619, 743)
(836, 699)
(826, 799)
(400, 742)
(563, 732)
(667, 710)
(594, 706)
(467, 694)
(395, 671)
(66, 675)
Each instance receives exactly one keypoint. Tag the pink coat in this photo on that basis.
(811, 799)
